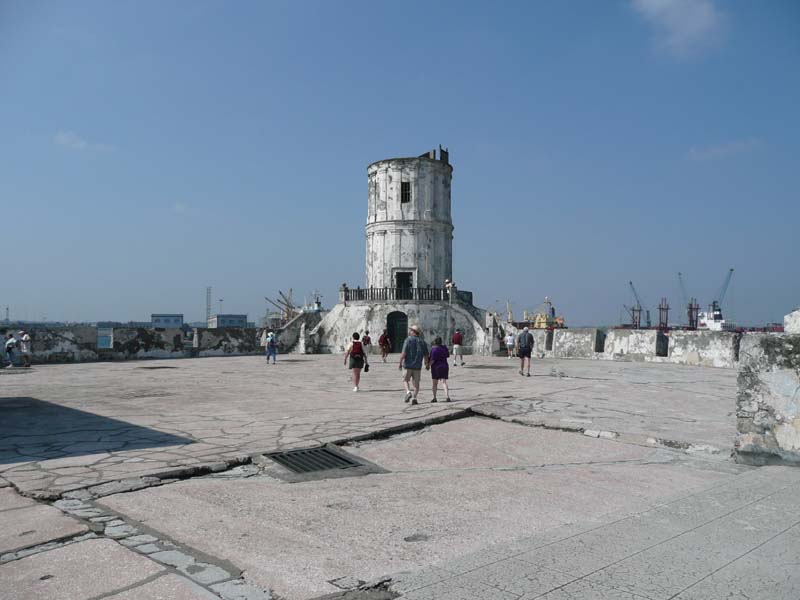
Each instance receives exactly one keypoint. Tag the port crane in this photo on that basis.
(692, 307)
(635, 311)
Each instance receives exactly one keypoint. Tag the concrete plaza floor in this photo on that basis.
(591, 479)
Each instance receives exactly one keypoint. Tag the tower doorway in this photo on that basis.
(397, 324)
(403, 283)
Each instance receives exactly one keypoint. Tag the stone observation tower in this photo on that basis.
(409, 227)
(409, 263)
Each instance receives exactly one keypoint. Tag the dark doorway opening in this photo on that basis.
(548, 341)
(403, 283)
(397, 324)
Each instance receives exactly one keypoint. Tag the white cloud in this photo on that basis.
(724, 150)
(683, 27)
(73, 141)
(180, 207)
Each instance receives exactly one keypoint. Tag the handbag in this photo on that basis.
(366, 368)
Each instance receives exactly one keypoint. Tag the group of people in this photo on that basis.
(14, 346)
(413, 356)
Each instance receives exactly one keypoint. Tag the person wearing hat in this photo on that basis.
(414, 353)
(524, 349)
(272, 347)
(25, 348)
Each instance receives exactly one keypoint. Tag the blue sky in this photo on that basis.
(150, 149)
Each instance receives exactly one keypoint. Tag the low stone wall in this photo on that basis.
(132, 343)
(768, 400)
(704, 348)
(578, 343)
(225, 342)
(60, 344)
(635, 344)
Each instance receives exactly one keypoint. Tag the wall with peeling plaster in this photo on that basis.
(768, 400)
(415, 236)
(634, 344)
(132, 343)
(577, 343)
(704, 348)
(60, 344)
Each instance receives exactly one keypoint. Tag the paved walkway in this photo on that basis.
(736, 540)
(68, 427)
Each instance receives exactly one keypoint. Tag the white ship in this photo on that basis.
(712, 319)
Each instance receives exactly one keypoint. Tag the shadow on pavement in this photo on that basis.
(32, 429)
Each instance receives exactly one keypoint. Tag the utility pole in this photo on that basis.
(208, 305)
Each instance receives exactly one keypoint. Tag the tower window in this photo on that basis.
(405, 192)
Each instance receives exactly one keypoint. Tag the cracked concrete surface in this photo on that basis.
(613, 474)
(68, 427)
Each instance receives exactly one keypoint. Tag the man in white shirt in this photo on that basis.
(510, 341)
(25, 348)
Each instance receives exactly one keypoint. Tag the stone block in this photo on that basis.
(768, 400)
(578, 343)
(704, 348)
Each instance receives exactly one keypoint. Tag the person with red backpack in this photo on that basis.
(358, 360)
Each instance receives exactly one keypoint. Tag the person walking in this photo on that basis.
(358, 359)
(440, 368)
(11, 346)
(414, 353)
(272, 347)
(25, 348)
(385, 344)
(510, 344)
(367, 342)
(524, 349)
(458, 352)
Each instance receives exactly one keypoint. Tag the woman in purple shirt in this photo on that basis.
(439, 367)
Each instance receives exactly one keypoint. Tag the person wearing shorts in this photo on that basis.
(458, 352)
(524, 349)
(510, 344)
(413, 355)
(358, 359)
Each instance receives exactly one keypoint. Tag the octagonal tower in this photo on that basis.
(409, 226)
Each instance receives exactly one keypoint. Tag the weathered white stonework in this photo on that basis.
(413, 237)
(768, 400)
(335, 331)
(791, 322)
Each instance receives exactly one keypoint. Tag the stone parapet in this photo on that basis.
(704, 348)
(768, 400)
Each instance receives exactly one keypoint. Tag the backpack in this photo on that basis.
(357, 350)
(526, 340)
(272, 343)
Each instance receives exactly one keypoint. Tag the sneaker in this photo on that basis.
(529, 374)
(521, 373)
(463, 363)
(408, 396)
(447, 400)
(414, 401)
(434, 400)
(355, 389)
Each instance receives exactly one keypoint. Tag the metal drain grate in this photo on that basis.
(310, 460)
